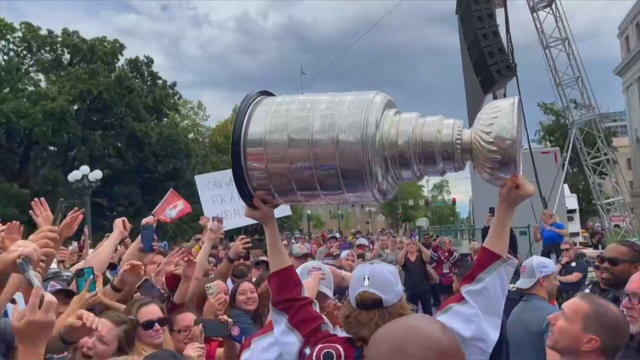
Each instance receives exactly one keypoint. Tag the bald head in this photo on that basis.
(416, 336)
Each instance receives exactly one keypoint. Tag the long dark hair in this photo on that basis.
(256, 315)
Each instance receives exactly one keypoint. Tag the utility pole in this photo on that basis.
(302, 73)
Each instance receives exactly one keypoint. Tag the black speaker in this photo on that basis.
(492, 64)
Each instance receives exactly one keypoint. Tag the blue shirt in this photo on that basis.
(550, 237)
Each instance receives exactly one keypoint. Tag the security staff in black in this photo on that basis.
(572, 272)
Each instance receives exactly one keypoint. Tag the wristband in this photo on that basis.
(64, 341)
(115, 288)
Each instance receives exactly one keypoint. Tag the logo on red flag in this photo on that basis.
(172, 207)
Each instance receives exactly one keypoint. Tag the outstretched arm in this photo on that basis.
(516, 190)
(263, 213)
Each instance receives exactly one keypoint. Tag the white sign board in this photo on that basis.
(219, 197)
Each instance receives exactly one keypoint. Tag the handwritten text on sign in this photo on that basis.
(219, 197)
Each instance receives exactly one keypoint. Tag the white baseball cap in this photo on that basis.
(378, 278)
(533, 269)
(346, 253)
(305, 270)
(362, 241)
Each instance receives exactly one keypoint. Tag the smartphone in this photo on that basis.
(258, 243)
(147, 234)
(148, 289)
(57, 215)
(85, 277)
(211, 289)
(492, 211)
(213, 328)
(27, 270)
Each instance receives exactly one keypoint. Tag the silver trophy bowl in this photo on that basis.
(357, 147)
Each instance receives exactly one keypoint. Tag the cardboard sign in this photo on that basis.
(219, 197)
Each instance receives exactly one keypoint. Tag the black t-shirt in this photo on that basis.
(416, 279)
(577, 265)
(513, 240)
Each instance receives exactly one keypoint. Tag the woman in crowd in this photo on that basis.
(243, 306)
(109, 341)
(149, 327)
(445, 256)
(181, 325)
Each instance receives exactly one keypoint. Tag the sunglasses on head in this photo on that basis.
(613, 261)
(150, 324)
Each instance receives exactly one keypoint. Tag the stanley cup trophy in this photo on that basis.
(357, 147)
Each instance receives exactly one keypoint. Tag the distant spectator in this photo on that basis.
(513, 239)
(572, 272)
(551, 233)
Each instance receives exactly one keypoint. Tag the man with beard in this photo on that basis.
(618, 262)
(527, 326)
(631, 309)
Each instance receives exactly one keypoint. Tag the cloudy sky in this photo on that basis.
(218, 51)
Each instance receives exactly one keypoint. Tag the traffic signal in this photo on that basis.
(453, 201)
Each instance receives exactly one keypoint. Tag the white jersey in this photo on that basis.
(475, 314)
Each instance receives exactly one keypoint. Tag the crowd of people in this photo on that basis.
(329, 297)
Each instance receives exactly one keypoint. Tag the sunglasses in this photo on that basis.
(150, 324)
(613, 261)
(566, 249)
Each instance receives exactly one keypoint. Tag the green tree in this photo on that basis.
(66, 100)
(554, 132)
(406, 206)
(440, 210)
(317, 222)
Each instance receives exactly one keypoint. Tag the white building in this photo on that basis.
(629, 72)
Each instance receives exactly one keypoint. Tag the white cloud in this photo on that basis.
(218, 51)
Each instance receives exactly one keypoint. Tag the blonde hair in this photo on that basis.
(362, 324)
(141, 350)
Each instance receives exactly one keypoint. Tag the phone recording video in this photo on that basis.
(85, 277)
(148, 289)
(258, 243)
(213, 328)
(211, 289)
(147, 234)
(27, 270)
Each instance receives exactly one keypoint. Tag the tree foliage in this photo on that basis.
(440, 210)
(406, 206)
(66, 100)
(554, 132)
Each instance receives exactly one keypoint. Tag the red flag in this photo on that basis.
(172, 207)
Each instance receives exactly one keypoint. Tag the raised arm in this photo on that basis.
(100, 257)
(263, 213)
(516, 190)
(236, 251)
(402, 256)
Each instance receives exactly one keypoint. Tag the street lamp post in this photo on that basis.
(339, 218)
(309, 224)
(85, 181)
(369, 210)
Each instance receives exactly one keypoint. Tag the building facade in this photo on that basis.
(629, 72)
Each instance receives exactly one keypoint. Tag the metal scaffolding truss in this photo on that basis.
(578, 101)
